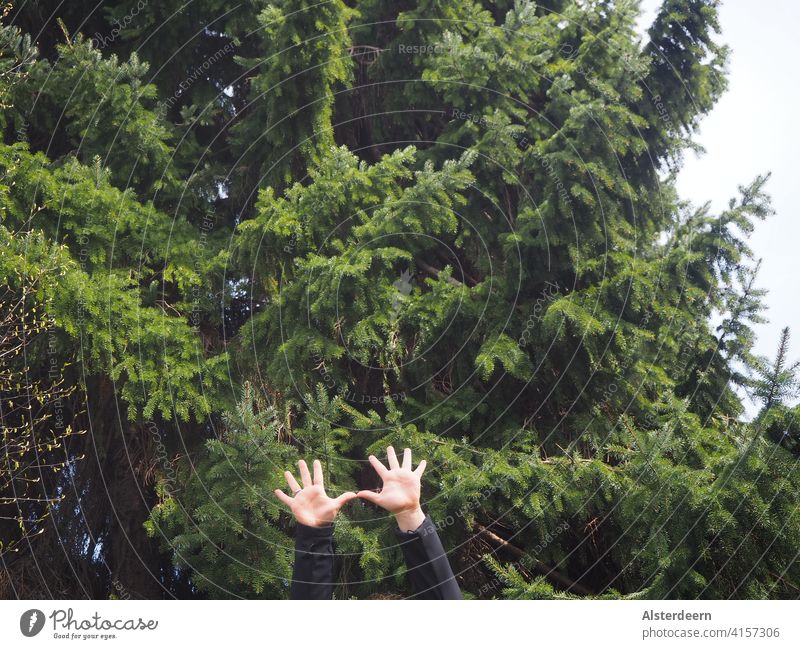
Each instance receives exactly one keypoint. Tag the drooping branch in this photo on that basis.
(435, 272)
(546, 570)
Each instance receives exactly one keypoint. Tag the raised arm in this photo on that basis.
(315, 511)
(428, 568)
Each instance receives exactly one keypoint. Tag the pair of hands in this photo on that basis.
(400, 493)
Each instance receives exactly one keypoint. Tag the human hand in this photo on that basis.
(401, 489)
(310, 504)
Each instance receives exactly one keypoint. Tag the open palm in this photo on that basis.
(400, 493)
(310, 504)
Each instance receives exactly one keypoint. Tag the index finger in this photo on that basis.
(381, 470)
(318, 473)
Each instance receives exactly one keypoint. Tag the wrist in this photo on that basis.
(308, 532)
(409, 519)
(314, 522)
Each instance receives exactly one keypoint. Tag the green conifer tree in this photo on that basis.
(447, 225)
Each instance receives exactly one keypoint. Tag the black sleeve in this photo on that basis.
(428, 569)
(312, 576)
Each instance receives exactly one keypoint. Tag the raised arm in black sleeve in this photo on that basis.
(312, 576)
(428, 569)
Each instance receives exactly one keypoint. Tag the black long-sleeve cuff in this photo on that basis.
(428, 568)
(312, 576)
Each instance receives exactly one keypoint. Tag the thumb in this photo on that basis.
(347, 496)
(371, 496)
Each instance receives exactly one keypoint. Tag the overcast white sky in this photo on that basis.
(754, 129)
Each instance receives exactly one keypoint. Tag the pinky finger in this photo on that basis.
(283, 498)
(420, 468)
